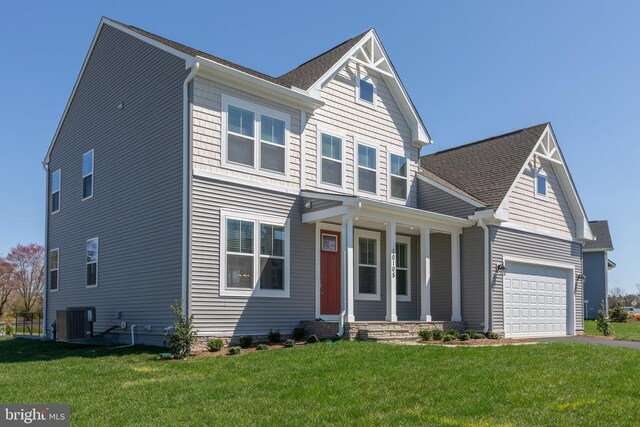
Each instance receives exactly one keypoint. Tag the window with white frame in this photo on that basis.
(331, 160)
(256, 136)
(366, 90)
(403, 275)
(92, 262)
(367, 169)
(254, 255)
(368, 272)
(398, 172)
(87, 175)
(54, 268)
(55, 191)
(541, 184)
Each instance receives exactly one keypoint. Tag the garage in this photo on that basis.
(538, 301)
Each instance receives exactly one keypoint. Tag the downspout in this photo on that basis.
(133, 335)
(45, 166)
(303, 150)
(186, 197)
(487, 273)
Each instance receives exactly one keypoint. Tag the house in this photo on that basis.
(596, 269)
(262, 202)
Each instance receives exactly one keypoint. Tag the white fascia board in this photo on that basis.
(597, 250)
(448, 190)
(256, 85)
(414, 213)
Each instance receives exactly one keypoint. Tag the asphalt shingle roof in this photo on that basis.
(485, 169)
(601, 234)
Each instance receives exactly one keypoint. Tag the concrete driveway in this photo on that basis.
(594, 340)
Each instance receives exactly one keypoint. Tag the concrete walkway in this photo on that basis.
(594, 340)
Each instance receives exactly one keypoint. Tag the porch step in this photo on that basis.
(409, 338)
(379, 334)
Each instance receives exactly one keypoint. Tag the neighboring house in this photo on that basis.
(596, 268)
(261, 202)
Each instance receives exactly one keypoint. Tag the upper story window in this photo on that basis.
(368, 273)
(55, 191)
(92, 262)
(398, 172)
(256, 136)
(87, 175)
(403, 276)
(54, 267)
(541, 184)
(366, 90)
(367, 169)
(331, 159)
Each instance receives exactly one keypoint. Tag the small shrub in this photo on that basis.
(635, 316)
(312, 339)
(426, 334)
(8, 329)
(437, 334)
(447, 338)
(183, 335)
(298, 333)
(477, 336)
(215, 344)
(245, 341)
(602, 322)
(453, 332)
(618, 314)
(469, 332)
(234, 350)
(464, 337)
(289, 343)
(262, 347)
(275, 336)
(493, 336)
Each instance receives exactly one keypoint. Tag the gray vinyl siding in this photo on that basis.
(440, 276)
(136, 209)
(318, 204)
(472, 277)
(594, 285)
(434, 199)
(216, 315)
(507, 242)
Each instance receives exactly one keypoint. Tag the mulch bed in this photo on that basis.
(225, 350)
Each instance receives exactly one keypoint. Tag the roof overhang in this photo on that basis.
(610, 264)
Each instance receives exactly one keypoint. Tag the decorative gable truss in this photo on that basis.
(370, 54)
(547, 148)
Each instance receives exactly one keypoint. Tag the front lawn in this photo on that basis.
(347, 383)
(621, 331)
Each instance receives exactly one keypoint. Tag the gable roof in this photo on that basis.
(485, 169)
(602, 236)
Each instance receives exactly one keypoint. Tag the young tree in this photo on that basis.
(27, 263)
(7, 284)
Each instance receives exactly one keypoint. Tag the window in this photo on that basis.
(403, 276)
(92, 262)
(367, 169)
(256, 136)
(87, 175)
(55, 191)
(368, 273)
(541, 184)
(366, 90)
(54, 266)
(330, 243)
(255, 256)
(331, 160)
(398, 172)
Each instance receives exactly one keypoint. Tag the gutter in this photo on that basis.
(186, 181)
(45, 166)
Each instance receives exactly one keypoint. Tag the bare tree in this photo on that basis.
(27, 263)
(616, 296)
(7, 284)
(638, 288)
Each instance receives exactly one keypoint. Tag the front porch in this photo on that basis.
(377, 330)
(382, 262)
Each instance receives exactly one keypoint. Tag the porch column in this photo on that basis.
(347, 269)
(425, 274)
(391, 272)
(456, 313)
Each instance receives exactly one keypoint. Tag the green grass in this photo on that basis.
(348, 383)
(621, 331)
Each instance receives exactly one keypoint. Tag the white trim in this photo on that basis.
(97, 262)
(50, 200)
(367, 79)
(200, 173)
(597, 250)
(347, 200)
(537, 174)
(257, 220)
(405, 240)
(450, 191)
(329, 227)
(403, 154)
(336, 134)
(258, 111)
(456, 291)
(534, 230)
(303, 149)
(92, 173)
(56, 249)
(359, 233)
(391, 276)
(324, 214)
(356, 166)
(425, 274)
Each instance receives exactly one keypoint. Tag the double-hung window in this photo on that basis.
(367, 169)
(55, 191)
(368, 265)
(92, 262)
(403, 278)
(256, 136)
(87, 175)
(398, 172)
(54, 268)
(331, 159)
(255, 255)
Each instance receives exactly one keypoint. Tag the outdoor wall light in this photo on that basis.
(501, 269)
(580, 278)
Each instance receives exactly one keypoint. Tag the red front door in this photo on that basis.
(329, 272)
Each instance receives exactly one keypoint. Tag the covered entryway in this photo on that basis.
(538, 301)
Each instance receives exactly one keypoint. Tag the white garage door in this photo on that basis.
(535, 305)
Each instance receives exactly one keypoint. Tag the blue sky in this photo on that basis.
(473, 69)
